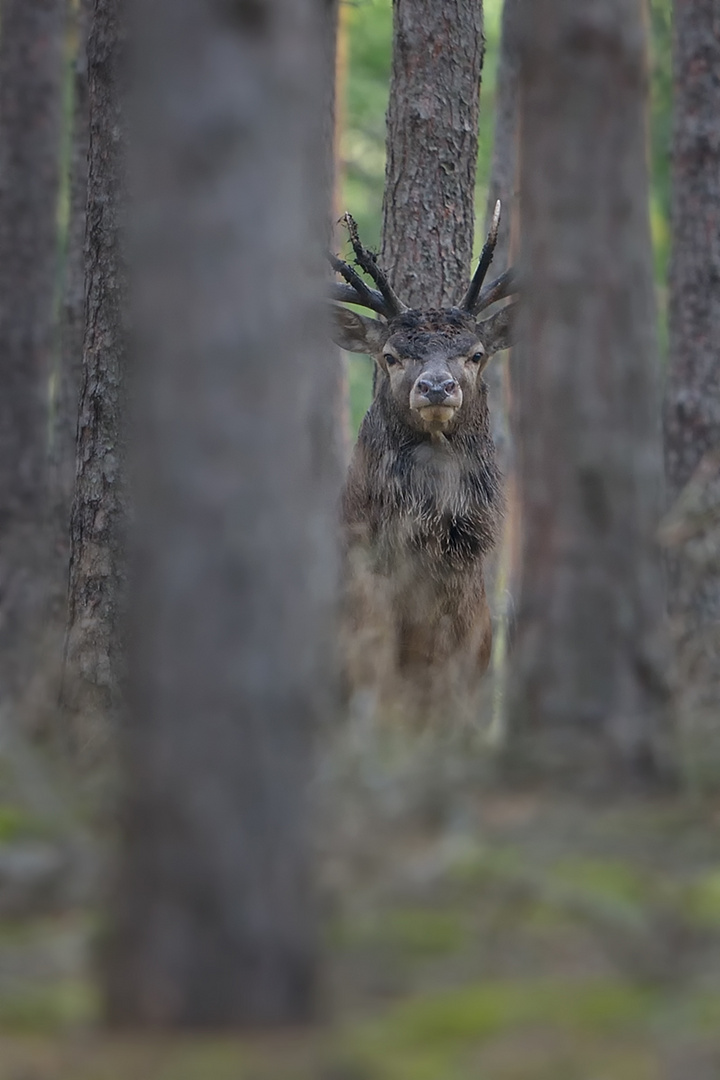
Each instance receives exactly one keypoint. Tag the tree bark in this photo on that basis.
(236, 568)
(692, 403)
(589, 701)
(432, 145)
(90, 688)
(69, 367)
(30, 95)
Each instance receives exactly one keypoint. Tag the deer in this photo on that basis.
(422, 501)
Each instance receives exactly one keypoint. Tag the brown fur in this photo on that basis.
(421, 510)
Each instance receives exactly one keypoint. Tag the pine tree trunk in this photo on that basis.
(692, 404)
(432, 145)
(69, 368)
(233, 603)
(589, 699)
(30, 95)
(96, 569)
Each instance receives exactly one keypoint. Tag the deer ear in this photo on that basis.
(357, 333)
(499, 331)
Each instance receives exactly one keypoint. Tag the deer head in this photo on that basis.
(432, 360)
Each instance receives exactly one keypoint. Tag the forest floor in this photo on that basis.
(504, 936)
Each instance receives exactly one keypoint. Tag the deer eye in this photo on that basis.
(477, 357)
(390, 359)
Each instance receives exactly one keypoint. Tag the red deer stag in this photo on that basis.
(422, 500)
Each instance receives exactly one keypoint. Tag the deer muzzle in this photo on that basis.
(436, 397)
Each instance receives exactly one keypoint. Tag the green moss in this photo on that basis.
(417, 932)
(612, 890)
(701, 1013)
(430, 1038)
(480, 1011)
(701, 901)
(50, 1008)
(17, 824)
(480, 864)
(609, 878)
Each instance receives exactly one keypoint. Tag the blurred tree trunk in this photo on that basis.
(69, 364)
(589, 698)
(31, 54)
(503, 186)
(233, 604)
(96, 568)
(692, 405)
(501, 570)
(432, 145)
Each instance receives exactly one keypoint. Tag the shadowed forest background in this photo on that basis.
(217, 862)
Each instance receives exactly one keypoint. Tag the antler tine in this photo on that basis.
(367, 262)
(504, 286)
(356, 291)
(471, 297)
(346, 294)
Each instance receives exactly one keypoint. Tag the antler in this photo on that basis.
(504, 286)
(473, 295)
(355, 291)
(383, 300)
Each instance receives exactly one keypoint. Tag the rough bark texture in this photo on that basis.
(432, 142)
(589, 700)
(232, 663)
(69, 366)
(692, 405)
(96, 566)
(30, 83)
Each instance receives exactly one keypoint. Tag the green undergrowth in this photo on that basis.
(55, 1008)
(550, 943)
(419, 932)
(519, 1028)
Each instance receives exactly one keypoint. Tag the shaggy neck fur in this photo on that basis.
(439, 501)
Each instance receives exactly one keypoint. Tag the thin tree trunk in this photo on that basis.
(692, 404)
(90, 686)
(31, 67)
(504, 186)
(432, 145)
(215, 921)
(69, 369)
(336, 44)
(589, 699)
(502, 570)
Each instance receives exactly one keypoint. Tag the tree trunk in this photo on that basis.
(432, 145)
(232, 659)
(504, 186)
(69, 367)
(589, 699)
(503, 172)
(692, 405)
(501, 572)
(96, 566)
(30, 96)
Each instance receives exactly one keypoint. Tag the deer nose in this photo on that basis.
(436, 390)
